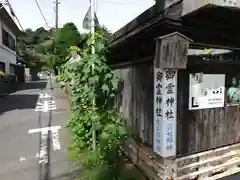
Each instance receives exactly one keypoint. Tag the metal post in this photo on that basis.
(92, 26)
(55, 31)
(56, 14)
(93, 52)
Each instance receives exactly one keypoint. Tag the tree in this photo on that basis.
(65, 38)
(32, 45)
(37, 46)
(49, 62)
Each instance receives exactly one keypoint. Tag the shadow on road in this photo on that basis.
(32, 85)
(20, 100)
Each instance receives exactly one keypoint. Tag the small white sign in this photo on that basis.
(165, 111)
(206, 91)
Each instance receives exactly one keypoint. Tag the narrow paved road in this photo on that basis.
(32, 135)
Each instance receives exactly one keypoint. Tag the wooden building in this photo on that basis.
(207, 139)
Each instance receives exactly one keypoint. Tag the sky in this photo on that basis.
(113, 14)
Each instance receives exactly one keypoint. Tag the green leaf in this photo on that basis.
(105, 87)
(89, 42)
(99, 46)
(111, 128)
(93, 79)
(86, 70)
(104, 135)
(108, 76)
(114, 82)
(112, 95)
(122, 131)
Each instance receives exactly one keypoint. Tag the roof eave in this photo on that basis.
(7, 19)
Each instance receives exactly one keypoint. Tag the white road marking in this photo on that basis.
(39, 104)
(55, 139)
(41, 109)
(42, 155)
(46, 106)
(45, 129)
(45, 95)
(22, 158)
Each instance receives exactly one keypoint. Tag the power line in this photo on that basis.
(39, 8)
(13, 13)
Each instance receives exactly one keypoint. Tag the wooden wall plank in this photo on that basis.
(220, 121)
(197, 130)
(137, 100)
(207, 128)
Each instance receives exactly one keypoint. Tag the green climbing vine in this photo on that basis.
(94, 121)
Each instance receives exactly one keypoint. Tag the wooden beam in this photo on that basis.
(148, 59)
(152, 18)
(212, 37)
(144, 21)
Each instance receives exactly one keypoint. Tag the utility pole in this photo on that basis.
(93, 25)
(56, 15)
(93, 52)
(56, 71)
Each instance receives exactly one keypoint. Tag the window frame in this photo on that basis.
(8, 40)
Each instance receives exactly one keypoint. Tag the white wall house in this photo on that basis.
(8, 33)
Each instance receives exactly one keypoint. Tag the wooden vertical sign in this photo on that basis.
(171, 55)
(172, 51)
(165, 111)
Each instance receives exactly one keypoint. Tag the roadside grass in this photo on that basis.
(127, 170)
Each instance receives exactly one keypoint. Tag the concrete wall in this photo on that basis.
(7, 55)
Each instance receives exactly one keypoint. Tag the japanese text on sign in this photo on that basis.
(158, 88)
(165, 94)
(206, 91)
(170, 111)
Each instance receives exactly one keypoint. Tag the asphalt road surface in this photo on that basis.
(33, 139)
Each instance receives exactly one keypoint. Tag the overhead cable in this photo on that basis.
(39, 8)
